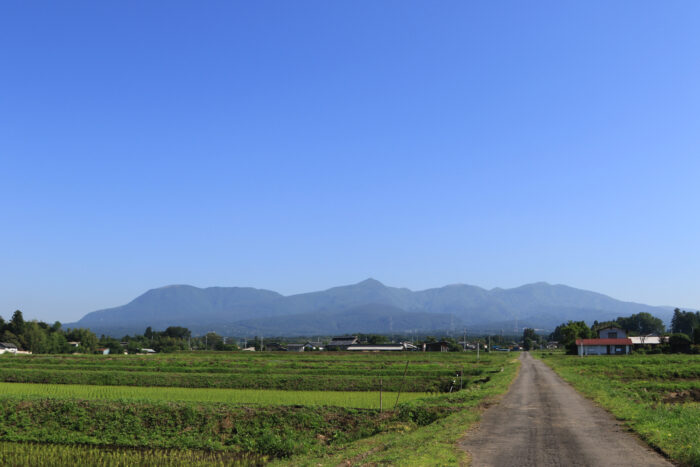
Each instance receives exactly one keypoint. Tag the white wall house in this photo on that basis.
(610, 341)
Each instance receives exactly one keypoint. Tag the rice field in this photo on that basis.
(353, 399)
(232, 408)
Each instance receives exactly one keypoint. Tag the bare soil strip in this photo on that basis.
(543, 421)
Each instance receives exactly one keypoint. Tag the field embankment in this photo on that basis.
(657, 396)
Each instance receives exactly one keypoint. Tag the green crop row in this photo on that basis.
(234, 381)
(40, 454)
(365, 400)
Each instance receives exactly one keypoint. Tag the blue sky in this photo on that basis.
(301, 145)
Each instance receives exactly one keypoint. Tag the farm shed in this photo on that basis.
(341, 342)
(441, 346)
(646, 340)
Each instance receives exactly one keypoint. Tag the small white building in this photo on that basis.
(6, 347)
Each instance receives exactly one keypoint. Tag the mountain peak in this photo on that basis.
(371, 282)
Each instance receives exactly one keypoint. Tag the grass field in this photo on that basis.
(658, 396)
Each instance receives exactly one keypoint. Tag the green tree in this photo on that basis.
(566, 334)
(529, 338)
(684, 321)
(642, 324)
(679, 343)
(17, 323)
(87, 339)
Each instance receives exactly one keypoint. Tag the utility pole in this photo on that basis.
(464, 341)
(478, 344)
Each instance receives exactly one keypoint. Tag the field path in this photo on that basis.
(543, 421)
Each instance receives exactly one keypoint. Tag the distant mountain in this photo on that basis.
(368, 306)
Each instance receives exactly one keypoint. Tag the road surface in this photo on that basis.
(542, 421)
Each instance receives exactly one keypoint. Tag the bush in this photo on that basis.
(679, 343)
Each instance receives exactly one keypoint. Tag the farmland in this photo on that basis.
(657, 396)
(270, 370)
(356, 399)
(226, 408)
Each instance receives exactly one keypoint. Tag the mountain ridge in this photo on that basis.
(244, 310)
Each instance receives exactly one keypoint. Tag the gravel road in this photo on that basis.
(543, 421)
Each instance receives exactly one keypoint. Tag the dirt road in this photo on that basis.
(543, 421)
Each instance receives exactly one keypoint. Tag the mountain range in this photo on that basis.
(367, 307)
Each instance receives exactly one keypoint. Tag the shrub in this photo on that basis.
(679, 343)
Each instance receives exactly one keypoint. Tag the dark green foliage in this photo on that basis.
(35, 336)
(679, 343)
(642, 324)
(684, 321)
(566, 335)
(530, 338)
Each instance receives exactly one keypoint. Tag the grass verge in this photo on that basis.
(647, 401)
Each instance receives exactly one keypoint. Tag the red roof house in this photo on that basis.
(610, 341)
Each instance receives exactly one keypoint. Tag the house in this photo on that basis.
(342, 342)
(611, 341)
(295, 347)
(74, 344)
(551, 345)
(103, 350)
(440, 346)
(6, 347)
(376, 347)
(275, 346)
(313, 345)
(249, 349)
(147, 351)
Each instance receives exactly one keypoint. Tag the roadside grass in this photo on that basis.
(653, 394)
(412, 444)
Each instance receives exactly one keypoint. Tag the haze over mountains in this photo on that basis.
(368, 306)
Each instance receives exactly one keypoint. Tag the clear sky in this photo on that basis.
(299, 145)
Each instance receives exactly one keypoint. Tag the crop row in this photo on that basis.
(275, 431)
(394, 371)
(41, 454)
(354, 399)
(234, 381)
